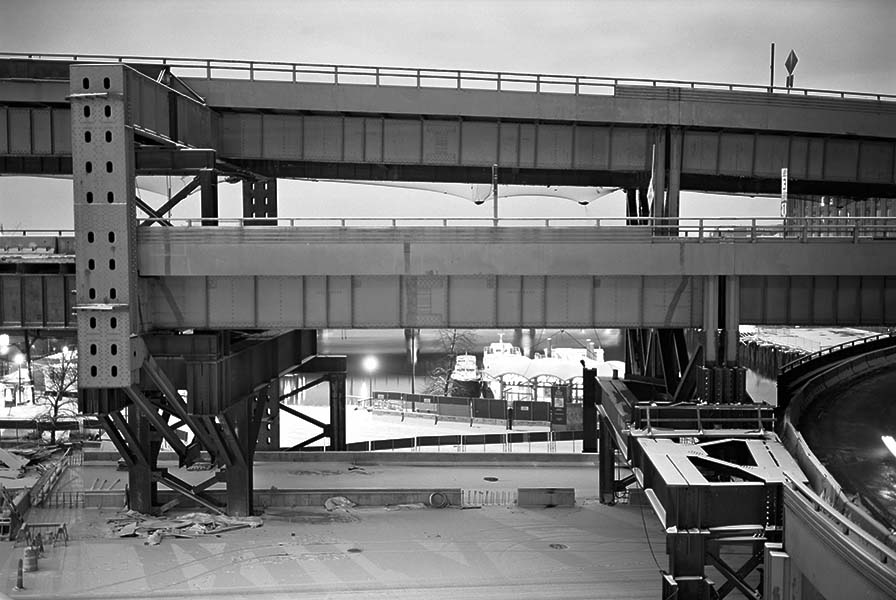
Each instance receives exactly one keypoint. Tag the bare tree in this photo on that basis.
(61, 378)
(451, 343)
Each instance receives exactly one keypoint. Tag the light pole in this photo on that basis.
(19, 359)
(370, 364)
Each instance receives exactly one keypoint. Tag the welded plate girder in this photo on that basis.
(692, 490)
(214, 385)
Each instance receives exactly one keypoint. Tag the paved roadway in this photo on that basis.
(591, 551)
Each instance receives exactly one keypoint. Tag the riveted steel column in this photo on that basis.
(672, 201)
(711, 319)
(606, 463)
(240, 474)
(208, 189)
(142, 489)
(732, 318)
(659, 174)
(269, 428)
(589, 410)
(260, 201)
(105, 225)
(337, 411)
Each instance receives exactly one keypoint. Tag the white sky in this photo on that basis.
(841, 45)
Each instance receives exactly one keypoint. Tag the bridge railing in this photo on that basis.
(421, 77)
(694, 228)
(831, 349)
(698, 229)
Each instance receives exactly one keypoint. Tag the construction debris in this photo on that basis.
(340, 503)
(195, 524)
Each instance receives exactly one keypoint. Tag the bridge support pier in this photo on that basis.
(721, 380)
(260, 201)
(208, 189)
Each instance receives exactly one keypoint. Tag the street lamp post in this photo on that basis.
(370, 364)
(19, 359)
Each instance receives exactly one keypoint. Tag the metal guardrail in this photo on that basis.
(831, 349)
(699, 228)
(432, 78)
(742, 229)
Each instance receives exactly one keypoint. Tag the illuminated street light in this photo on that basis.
(370, 364)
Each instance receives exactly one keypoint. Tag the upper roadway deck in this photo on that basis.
(380, 274)
(348, 122)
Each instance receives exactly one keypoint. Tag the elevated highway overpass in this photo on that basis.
(403, 124)
(103, 122)
(468, 274)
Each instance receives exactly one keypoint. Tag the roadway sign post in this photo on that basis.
(790, 63)
(784, 192)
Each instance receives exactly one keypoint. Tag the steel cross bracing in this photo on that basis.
(227, 378)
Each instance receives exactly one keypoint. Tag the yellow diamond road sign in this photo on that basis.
(791, 61)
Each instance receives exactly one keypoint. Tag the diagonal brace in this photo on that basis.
(299, 390)
(735, 578)
(182, 487)
(309, 441)
(741, 574)
(123, 439)
(304, 417)
(160, 424)
(174, 201)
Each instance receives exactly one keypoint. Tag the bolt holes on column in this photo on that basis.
(108, 166)
(106, 83)
(93, 371)
(107, 110)
(86, 83)
(89, 197)
(111, 237)
(114, 371)
(92, 293)
(113, 349)
(93, 322)
(93, 349)
(110, 197)
(112, 293)
(108, 136)
(88, 166)
(113, 323)
(87, 112)
(111, 264)
(91, 264)
(87, 137)
(89, 237)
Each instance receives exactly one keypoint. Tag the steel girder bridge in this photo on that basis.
(105, 120)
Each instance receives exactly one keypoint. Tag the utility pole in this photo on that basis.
(771, 66)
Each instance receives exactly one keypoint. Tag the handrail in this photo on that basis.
(426, 77)
(701, 229)
(831, 349)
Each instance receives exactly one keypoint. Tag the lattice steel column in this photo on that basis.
(105, 226)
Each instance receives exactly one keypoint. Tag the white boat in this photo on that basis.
(465, 381)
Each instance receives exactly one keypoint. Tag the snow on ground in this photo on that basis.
(362, 425)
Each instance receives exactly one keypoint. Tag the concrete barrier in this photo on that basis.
(410, 458)
(546, 497)
(286, 498)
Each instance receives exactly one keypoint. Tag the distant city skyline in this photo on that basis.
(845, 46)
